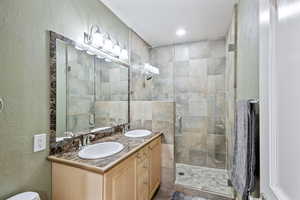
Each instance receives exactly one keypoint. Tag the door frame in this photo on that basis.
(269, 184)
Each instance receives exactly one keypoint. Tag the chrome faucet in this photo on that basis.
(86, 139)
(125, 127)
(179, 118)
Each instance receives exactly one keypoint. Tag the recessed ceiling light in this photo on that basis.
(180, 32)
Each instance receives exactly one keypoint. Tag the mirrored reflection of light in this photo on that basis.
(90, 52)
(124, 54)
(264, 17)
(151, 69)
(289, 10)
(181, 32)
(79, 47)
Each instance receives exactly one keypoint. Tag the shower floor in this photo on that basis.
(210, 180)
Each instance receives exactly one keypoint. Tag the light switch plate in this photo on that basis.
(39, 142)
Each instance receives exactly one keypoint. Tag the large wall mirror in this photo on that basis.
(88, 93)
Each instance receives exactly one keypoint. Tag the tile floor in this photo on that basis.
(175, 196)
(181, 196)
(205, 179)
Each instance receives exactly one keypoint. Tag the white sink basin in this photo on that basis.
(100, 150)
(138, 133)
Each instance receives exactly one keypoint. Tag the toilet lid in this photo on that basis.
(25, 196)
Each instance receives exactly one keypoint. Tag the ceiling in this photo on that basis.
(156, 21)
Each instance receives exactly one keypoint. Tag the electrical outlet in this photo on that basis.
(39, 142)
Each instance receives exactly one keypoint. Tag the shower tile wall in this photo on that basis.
(150, 107)
(80, 92)
(193, 75)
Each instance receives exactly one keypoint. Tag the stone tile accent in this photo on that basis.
(167, 128)
(167, 179)
(204, 179)
(167, 156)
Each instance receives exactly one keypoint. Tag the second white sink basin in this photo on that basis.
(138, 133)
(100, 150)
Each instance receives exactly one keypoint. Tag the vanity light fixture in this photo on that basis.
(117, 49)
(108, 44)
(90, 53)
(95, 37)
(100, 57)
(79, 47)
(124, 54)
(108, 60)
(96, 42)
(151, 69)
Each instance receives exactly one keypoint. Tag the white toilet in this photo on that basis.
(26, 196)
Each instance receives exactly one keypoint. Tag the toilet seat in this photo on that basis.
(26, 196)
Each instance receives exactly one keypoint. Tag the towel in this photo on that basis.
(246, 152)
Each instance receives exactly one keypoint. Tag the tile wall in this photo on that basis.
(193, 76)
(151, 110)
(111, 105)
(80, 89)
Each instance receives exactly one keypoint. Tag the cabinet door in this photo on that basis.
(155, 163)
(76, 184)
(142, 178)
(119, 183)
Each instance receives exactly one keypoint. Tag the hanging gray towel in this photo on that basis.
(245, 156)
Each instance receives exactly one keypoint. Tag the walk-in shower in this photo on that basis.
(200, 78)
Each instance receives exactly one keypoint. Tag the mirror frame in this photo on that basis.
(53, 36)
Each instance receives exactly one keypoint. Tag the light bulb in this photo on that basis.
(97, 39)
(108, 45)
(108, 60)
(124, 54)
(116, 50)
(181, 32)
(79, 47)
(90, 51)
(151, 69)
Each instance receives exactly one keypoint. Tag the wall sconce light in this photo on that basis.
(151, 69)
(117, 49)
(124, 54)
(95, 37)
(108, 44)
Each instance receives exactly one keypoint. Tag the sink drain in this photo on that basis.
(181, 173)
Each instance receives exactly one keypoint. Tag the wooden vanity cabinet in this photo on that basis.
(148, 164)
(137, 177)
(142, 174)
(154, 166)
(119, 182)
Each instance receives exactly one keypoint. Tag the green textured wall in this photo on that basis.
(248, 50)
(24, 80)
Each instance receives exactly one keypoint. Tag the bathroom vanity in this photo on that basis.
(132, 174)
(89, 102)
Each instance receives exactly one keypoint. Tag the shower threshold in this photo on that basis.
(209, 180)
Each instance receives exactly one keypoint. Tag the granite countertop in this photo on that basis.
(131, 145)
